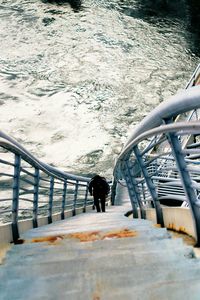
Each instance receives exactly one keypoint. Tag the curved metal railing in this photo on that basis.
(159, 161)
(158, 164)
(32, 189)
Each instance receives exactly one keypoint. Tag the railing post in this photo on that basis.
(187, 182)
(151, 187)
(130, 186)
(51, 189)
(35, 197)
(136, 190)
(85, 200)
(64, 200)
(143, 191)
(113, 191)
(75, 198)
(15, 203)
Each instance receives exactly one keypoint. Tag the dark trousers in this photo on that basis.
(102, 199)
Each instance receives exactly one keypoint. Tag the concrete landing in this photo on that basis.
(100, 256)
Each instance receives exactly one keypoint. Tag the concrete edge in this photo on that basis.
(175, 218)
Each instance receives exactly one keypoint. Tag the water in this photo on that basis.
(73, 84)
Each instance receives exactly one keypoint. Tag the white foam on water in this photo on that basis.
(73, 85)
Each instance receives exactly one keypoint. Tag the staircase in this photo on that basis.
(53, 264)
(104, 256)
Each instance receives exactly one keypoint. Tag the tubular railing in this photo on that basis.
(164, 168)
(32, 189)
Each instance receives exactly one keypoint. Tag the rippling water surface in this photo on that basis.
(73, 84)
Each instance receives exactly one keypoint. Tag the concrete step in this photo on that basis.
(150, 266)
(100, 249)
(61, 262)
(74, 283)
(141, 233)
(67, 245)
(150, 234)
(103, 223)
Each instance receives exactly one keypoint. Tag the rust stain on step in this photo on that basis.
(96, 297)
(157, 225)
(182, 232)
(88, 236)
(180, 229)
(98, 235)
(4, 247)
(97, 292)
(124, 233)
(49, 239)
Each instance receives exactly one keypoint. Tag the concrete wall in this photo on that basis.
(175, 218)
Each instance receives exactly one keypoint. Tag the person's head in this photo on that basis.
(96, 177)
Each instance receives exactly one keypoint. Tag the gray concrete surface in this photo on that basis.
(149, 265)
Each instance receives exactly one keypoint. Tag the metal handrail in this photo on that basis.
(184, 101)
(193, 77)
(136, 162)
(192, 127)
(27, 183)
(11, 144)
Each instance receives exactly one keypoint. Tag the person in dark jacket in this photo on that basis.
(99, 189)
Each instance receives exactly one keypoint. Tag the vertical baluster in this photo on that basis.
(151, 187)
(75, 198)
(135, 186)
(51, 190)
(130, 186)
(15, 203)
(64, 200)
(35, 197)
(113, 191)
(143, 191)
(86, 196)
